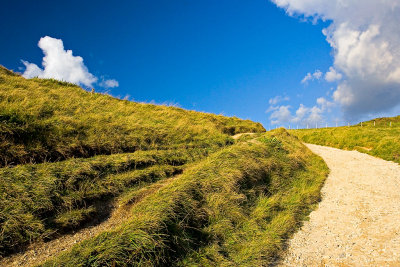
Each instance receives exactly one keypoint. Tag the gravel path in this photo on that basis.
(357, 222)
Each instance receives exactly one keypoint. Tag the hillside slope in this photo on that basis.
(236, 207)
(45, 120)
(68, 152)
(189, 193)
(381, 139)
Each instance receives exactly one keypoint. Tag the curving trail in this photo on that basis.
(357, 222)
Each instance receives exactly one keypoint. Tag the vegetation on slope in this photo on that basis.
(237, 206)
(66, 153)
(381, 140)
(40, 200)
(192, 194)
(45, 120)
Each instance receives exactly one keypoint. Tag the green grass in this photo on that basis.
(47, 120)
(191, 195)
(66, 152)
(381, 140)
(36, 200)
(236, 207)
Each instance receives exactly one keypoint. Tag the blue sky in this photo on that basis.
(227, 57)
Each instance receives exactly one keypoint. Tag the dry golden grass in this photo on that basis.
(236, 207)
(66, 154)
(47, 120)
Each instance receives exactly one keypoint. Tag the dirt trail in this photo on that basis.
(237, 136)
(40, 252)
(357, 222)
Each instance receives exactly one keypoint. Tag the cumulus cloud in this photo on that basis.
(281, 115)
(332, 75)
(311, 77)
(109, 83)
(31, 70)
(365, 38)
(325, 104)
(61, 64)
(302, 116)
(301, 113)
(277, 99)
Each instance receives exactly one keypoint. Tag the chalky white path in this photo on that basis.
(357, 222)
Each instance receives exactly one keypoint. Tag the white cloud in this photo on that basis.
(277, 99)
(332, 75)
(311, 77)
(61, 64)
(301, 112)
(307, 78)
(317, 74)
(109, 83)
(281, 115)
(303, 115)
(325, 104)
(315, 115)
(271, 108)
(365, 38)
(31, 70)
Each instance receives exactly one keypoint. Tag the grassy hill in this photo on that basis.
(44, 120)
(379, 137)
(236, 207)
(189, 192)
